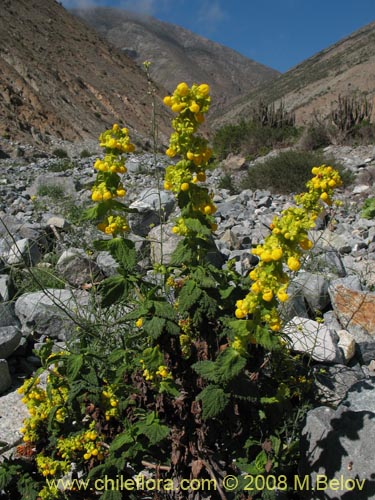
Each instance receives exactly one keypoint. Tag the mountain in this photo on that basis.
(179, 55)
(59, 78)
(347, 67)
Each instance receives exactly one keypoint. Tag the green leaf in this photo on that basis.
(169, 387)
(229, 364)
(189, 295)
(183, 254)
(153, 429)
(207, 370)
(214, 401)
(114, 289)
(226, 292)
(154, 327)
(111, 495)
(152, 357)
(261, 461)
(122, 250)
(196, 226)
(267, 339)
(73, 365)
(121, 440)
(204, 279)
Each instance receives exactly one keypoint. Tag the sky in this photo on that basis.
(277, 33)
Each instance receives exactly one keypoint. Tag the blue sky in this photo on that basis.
(277, 33)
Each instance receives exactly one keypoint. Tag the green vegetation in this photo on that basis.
(51, 190)
(60, 153)
(288, 172)
(266, 129)
(368, 209)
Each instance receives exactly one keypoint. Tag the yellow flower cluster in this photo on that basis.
(114, 224)
(86, 445)
(190, 103)
(47, 466)
(116, 140)
(40, 405)
(108, 185)
(320, 187)
(284, 247)
(160, 373)
(109, 403)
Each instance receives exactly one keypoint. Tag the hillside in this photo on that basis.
(59, 79)
(178, 54)
(313, 86)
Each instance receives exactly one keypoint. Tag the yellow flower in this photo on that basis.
(182, 89)
(185, 186)
(294, 264)
(203, 89)
(139, 323)
(267, 295)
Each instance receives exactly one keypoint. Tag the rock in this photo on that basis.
(25, 252)
(12, 414)
(161, 251)
(7, 315)
(153, 207)
(314, 339)
(314, 289)
(5, 378)
(354, 309)
(6, 287)
(233, 163)
(338, 445)
(346, 344)
(333, 382)
(75, 266)
(47, 312)
(10, 337)
(58, 222)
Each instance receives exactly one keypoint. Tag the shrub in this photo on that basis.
(61, 165)
(315, 136)
(51, 190)
(287, 172)
(252, 139)
(368, 209)
(85, 153)
(226, 182)
(60, 153)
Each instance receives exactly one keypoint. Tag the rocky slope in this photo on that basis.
(59, 79)
(178, 54)
(313, 86)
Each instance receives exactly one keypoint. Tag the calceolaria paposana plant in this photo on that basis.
(194, 382)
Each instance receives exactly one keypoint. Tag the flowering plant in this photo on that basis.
(194, 379)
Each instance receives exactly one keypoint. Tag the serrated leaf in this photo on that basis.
(183, 254)
(121, 440)
(154, 327)
(73, 365)
(241, 327)
(154, 430)
(189, 295)
(229, 364)
(205, 280)
(114, 289)
(206, 369)
(214, 400)
(267, 339)
(196, 226)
